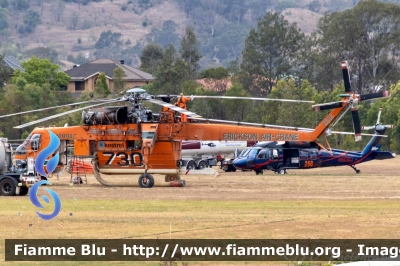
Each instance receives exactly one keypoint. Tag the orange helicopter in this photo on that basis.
(134, 140)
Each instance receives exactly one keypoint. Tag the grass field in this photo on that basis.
(321, 203)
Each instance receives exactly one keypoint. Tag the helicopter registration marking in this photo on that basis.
(261, 137)
(126, 159)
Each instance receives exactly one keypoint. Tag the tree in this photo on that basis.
(101, 89)
(3, 19)
(31, 20)
(151, 55)
(43, 52)
(42, 72)
(119, 82)
(22, 96)
(74, 20)
(109, 39)
(368, 36)
(270, 52)
(168, 77)
(57, 9)
(5, 71)
(190, 53)
(237, 110)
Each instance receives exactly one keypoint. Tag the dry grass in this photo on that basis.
(317, 203)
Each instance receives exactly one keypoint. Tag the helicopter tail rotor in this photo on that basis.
(352, 99)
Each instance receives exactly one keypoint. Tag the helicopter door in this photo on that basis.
(291, 158)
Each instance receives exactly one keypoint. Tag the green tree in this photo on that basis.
(119, 82)
(23, 96)
(270, 52)
(168, 77)
(151, 55)
(190, 53)
(5, 71)
(368, 36)
(3, 3)
(101, 89)
(237, 110)
(3, 19)
(31, 20)
(42, 72)
(43, 52)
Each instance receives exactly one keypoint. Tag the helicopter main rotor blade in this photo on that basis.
(64, 113)
(175, 108)
(247, 98)
(53, 107)
(352, 133)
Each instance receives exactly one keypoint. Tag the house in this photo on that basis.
(13, 63)
(83, 77)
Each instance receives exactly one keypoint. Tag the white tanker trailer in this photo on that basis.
(202, 154)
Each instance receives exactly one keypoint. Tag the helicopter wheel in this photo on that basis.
(358, 171)
(146, 181)
(259, 172)
(282, 171)
(170, 178)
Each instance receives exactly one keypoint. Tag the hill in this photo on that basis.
(68, 32)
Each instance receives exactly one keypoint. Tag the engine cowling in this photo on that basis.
(105, 116)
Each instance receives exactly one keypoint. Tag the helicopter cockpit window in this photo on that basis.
(262, 154)
(23, 148)
(35, 142)
(244, 153)
(253, 153)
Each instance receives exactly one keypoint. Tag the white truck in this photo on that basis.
(203, 154)
(12, 180)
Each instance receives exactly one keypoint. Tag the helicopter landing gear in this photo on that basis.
(281, 171)
(146, 180)
(170, 178)
(355, 169)
(259, 172)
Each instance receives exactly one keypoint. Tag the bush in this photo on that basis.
(79, 40)
(216, 73)
(144, 23)
(124, 7)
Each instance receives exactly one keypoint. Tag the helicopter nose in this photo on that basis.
(250, 163)
(239, 163)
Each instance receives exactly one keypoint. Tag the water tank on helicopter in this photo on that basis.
(105, 115)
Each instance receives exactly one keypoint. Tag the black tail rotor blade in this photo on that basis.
(381, 94)
(327, 106)
(346, 76)
(356, 124)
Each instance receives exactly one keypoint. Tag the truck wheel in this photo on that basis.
(7, 187)
(202, 165)
(191, 165)
(146, 181)
(23, 191)
(169, 178)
